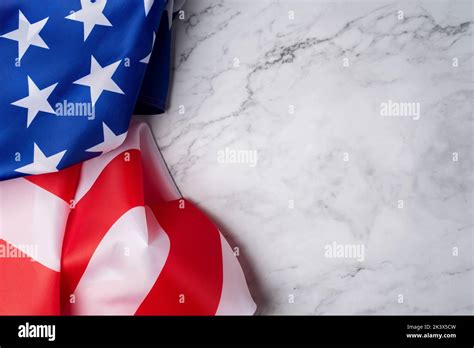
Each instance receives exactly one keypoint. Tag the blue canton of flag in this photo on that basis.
(71, 75)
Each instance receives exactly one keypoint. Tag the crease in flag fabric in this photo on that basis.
(113, 236)
(73, 72)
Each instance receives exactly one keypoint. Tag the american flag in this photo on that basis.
(72, 73)
(112, 235)
(91, 222)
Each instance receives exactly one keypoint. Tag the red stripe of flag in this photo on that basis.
(191, 280)
(117, 189)
(62, 184)
(27, 287)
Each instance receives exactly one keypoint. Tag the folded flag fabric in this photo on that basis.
(113, 236)
(72, 74)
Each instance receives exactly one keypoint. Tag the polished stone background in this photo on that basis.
(302, 84)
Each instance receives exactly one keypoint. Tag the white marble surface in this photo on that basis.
(299, 62)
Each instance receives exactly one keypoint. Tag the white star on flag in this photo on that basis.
(148, 4)
(27, 34)
(41, 163)
(111, 140)
(36, 101)
(146, 60)
(100, 79)
(91, 15)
